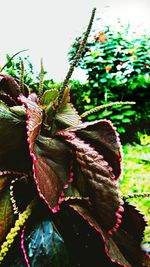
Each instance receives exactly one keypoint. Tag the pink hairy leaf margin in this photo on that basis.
(51, 158)
(102, 135)
(136, 224)
(111, 249)
(99, 181)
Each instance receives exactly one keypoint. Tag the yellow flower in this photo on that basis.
(131, 51)
(108, 68)
(101, 37)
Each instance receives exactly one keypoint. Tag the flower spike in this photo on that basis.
(41, 79)
(136, 195)
(22, 77)
(96, 109)
(77, 57)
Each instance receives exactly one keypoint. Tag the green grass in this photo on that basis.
(136, 179)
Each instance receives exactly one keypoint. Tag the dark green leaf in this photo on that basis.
(52, 168)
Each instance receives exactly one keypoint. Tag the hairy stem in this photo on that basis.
(41, 79)
(96, 109)
(22, 77)
(136, 195)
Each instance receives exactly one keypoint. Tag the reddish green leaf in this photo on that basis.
(7, 99)
(129, 235)
(130, 248)
(136, 225)
(62, 116)
(34, 122)
(66, 113)
(111, 249)
(104, 138)
(51, 158)
(9, 85)
(97, 183)
(51, 167)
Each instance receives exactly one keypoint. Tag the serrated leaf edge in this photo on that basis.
(71, 135)
(34, 160)
(102, 235)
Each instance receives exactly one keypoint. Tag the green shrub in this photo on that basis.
(31, 78)
(116, 61)
(13, 68)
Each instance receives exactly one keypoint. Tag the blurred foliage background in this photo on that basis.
(117, 65)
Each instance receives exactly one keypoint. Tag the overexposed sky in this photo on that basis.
(48, 27)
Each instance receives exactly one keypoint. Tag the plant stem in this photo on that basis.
(22, 77)
(96, 109)
(41, 79)
(12, 58)
(136, 195)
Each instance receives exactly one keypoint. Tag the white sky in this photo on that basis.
(48, 27)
